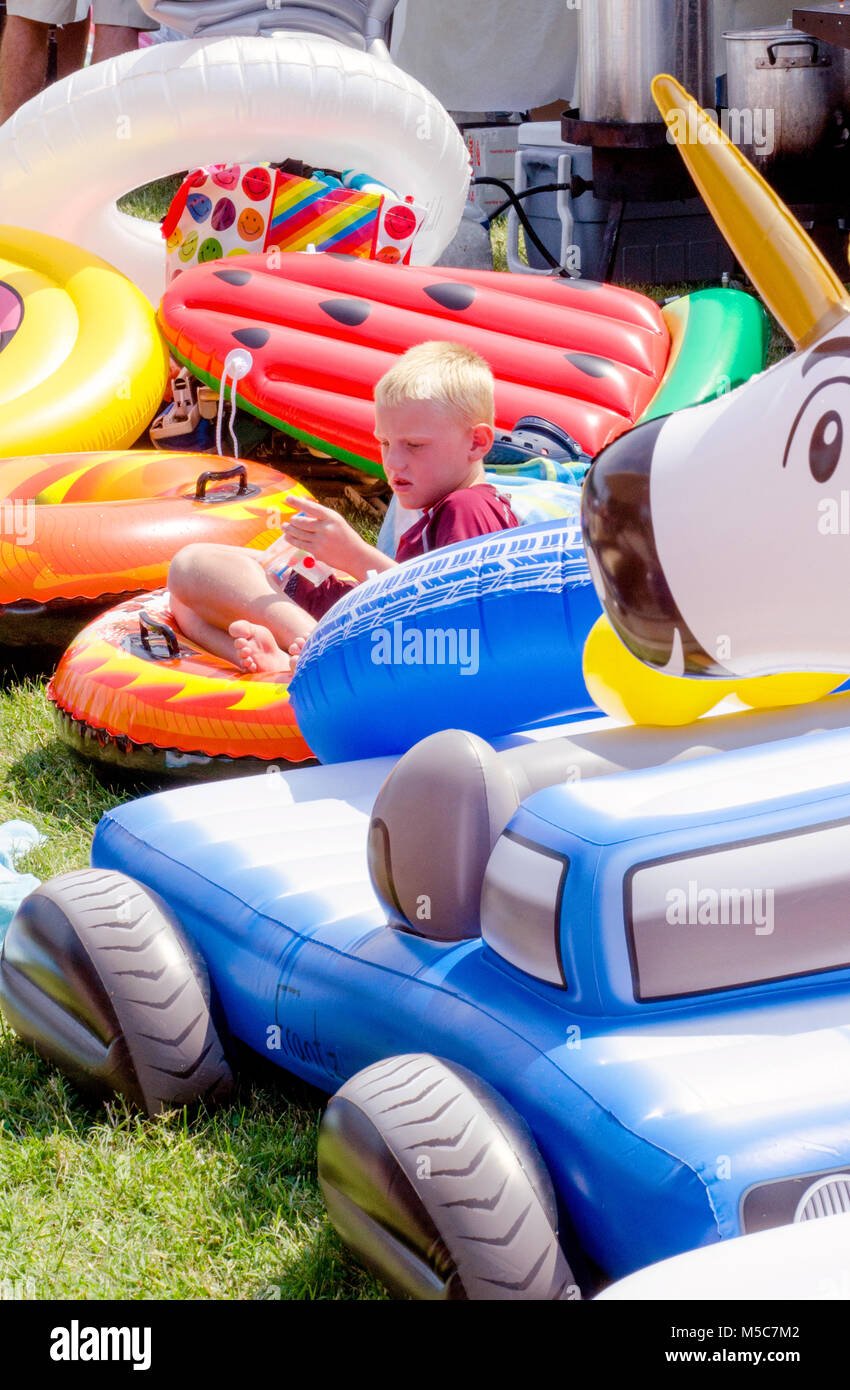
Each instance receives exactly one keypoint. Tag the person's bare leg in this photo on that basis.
(112, 39)
(197, 629)
(215, 588)
(71, 40)
(23, 63)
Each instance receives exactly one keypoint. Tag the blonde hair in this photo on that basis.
(448, 373)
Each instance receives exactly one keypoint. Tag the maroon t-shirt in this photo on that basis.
(459, 516)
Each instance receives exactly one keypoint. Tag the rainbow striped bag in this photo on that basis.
(231, 210)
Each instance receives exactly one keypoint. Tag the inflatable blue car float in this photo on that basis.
(590, 992)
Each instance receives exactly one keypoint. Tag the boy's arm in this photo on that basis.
(377, 561)
(322, 532)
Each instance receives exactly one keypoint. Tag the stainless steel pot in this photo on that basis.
(625, 43)
(788, 86)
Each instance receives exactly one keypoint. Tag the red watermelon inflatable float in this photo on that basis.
(322, 328)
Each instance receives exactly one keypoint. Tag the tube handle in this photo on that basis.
(149, 625)
(219, 477)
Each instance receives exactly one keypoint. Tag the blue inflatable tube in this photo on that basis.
(485, 635)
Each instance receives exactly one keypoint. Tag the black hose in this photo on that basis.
(514, 200)
(529, 193)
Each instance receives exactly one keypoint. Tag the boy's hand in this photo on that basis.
(323, 533)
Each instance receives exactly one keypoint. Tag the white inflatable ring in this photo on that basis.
(67, 155)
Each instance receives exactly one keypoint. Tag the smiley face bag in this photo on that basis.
(228, 210)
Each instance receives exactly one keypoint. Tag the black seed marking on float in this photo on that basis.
(351, 312)
(252, 337)
(233, 277)
(591, 365)
(452, 296)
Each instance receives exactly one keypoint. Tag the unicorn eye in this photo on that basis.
(825, 446)
(818, 437)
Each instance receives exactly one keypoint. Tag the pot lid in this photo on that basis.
(771, 34)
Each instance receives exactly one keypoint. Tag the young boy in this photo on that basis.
(434, 423)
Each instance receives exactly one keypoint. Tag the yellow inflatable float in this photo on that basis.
(82, 364)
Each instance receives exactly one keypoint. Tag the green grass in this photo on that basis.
(41, 782)
(151, 201)
(97, 1202)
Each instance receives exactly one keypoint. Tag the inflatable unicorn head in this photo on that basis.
(719, 537)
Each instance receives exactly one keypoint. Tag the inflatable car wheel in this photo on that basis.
(437, 1185)
(98, 974)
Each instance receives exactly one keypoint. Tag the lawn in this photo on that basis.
(96, 1202)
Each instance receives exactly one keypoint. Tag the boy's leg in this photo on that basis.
(216, 587)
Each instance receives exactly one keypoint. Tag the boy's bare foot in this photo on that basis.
(256, 649)
(296, 649)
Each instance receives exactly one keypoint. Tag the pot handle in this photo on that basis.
(817, 61)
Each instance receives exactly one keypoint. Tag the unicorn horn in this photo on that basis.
(794, 279)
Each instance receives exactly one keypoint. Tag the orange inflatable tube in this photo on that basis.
(80, 531)
(133, 691)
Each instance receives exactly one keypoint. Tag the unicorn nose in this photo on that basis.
(623, 558)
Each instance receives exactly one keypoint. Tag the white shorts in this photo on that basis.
(125, 13)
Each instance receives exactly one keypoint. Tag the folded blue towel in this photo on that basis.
(17, 837)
